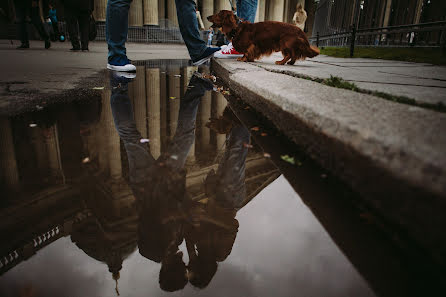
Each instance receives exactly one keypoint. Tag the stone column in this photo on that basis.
(172, 13)
(39, 149)
(207, 10)
(276, 10)
(220, 105)
(174, 99)
(205, 115)
(163, 107)
(260, 14)
(187, 75)
(221, 5)
(111, 147)
(136, 13)
(153, 110)
(8, 170)
(387, 13)
(139, 98)
(418, 9)
(53, 153)
(161, 10)
(100, 10)
(150, 12)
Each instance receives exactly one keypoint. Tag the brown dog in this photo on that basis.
(264, 38)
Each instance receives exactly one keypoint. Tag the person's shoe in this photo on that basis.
(123, 75)
(121, 63)
(75, 49)
(206, 56)
(85, 49)
(47, 44)
(228, 52)
(23, 46)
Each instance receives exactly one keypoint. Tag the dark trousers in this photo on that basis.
(24, 12)
(75, 18)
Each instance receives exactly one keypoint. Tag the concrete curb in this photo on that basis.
(390, 153)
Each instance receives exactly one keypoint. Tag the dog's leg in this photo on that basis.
(293, 57)
(250, 54)
(287, 55)
(243, 59)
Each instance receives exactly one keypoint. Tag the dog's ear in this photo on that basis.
(229, 22)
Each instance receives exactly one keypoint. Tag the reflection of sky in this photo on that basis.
(280, 250)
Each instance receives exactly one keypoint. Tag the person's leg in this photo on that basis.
(56, 30)
(246, 10)
(37, 22)
(84, 22)
(116, 27)
(21, 14)
(187, 19)
(72, 29)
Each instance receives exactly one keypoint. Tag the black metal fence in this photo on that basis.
(419, 35)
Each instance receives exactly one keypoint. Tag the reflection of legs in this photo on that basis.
(187, 19)
(138, 155)
(246, 10)
(117, 27)
(185, 132)
(231, 170)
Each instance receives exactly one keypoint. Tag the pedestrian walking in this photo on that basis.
(52, 15)
(116, 29)
(300, 16)
(77, 13)
(29, 9)
(199, 52)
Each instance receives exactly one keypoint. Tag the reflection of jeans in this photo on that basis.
(139, 158)
(116, 27)
(230, 190)
(187, 20)
(246, 9)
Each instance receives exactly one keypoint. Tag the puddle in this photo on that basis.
(158, 186)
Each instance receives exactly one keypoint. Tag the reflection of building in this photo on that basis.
(155, 12)
(47, 191)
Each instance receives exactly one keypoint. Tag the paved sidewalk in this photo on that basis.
(36, 72)
(422, 82)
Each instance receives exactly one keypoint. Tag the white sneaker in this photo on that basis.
(121, 63)
(228, 52)
(125, 68)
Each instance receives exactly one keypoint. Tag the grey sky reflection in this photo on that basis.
(280, 250)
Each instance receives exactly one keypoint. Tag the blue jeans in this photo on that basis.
(246, 10)
(116, 27)
(187, 20)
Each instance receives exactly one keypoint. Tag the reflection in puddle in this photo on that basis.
(155, 179)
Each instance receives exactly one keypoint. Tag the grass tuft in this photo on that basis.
(434, 56)
(337, 82)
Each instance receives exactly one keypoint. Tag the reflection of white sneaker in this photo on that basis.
(228, 52)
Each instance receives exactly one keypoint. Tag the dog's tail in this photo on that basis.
(313, 51)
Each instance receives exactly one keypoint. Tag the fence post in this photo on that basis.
(352, 42)
(317, 39)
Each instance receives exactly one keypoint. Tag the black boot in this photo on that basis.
(47, 44)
